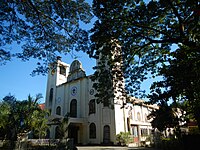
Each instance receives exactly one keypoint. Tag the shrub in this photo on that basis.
(123, 138)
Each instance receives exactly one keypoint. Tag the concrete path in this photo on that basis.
(112, 148)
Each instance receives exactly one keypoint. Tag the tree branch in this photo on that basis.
(171, 40)
(181, 26)
(46, 16)
(38, 15)
(151, 28)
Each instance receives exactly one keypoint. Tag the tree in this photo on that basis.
(4, 117)
(61, 131)
(35, 118)
(30, 107)
(63, 127)
(39, 124)
(181, 80)
(21, 117)
(147, 33)
(9, 118)
(43, 28)
(164, 117)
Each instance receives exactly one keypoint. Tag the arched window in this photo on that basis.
(138, 116)
(50, 96)
(58, 110)
(73, 108)
(92, 131)
(106, 134)
(57, 133)
(92, 106)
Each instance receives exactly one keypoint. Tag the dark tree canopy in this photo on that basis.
(43, 28)
(147, 33)
(165, 117)
(132, 39)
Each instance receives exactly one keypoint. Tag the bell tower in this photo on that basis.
(57, 75)
(110, 59)
(110, 65)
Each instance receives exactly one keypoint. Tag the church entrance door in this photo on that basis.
(73, 133)
(106, 134)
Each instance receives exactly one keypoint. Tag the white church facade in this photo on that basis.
(70, 93)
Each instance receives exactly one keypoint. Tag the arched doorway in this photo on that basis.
(73, 132)
(92, 131)
(57, 133)
(106, 134)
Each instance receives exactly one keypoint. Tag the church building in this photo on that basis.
(70, 93)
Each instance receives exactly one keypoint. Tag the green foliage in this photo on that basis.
(123, 138)
(4, 114)
(164, 117)
(158, 39)
(10, 119)
(39, 123)
(43, 29)
(145, 32)
(63, 127)
(194, 130)
(171, 144)
(21, 117)
(181, 82)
